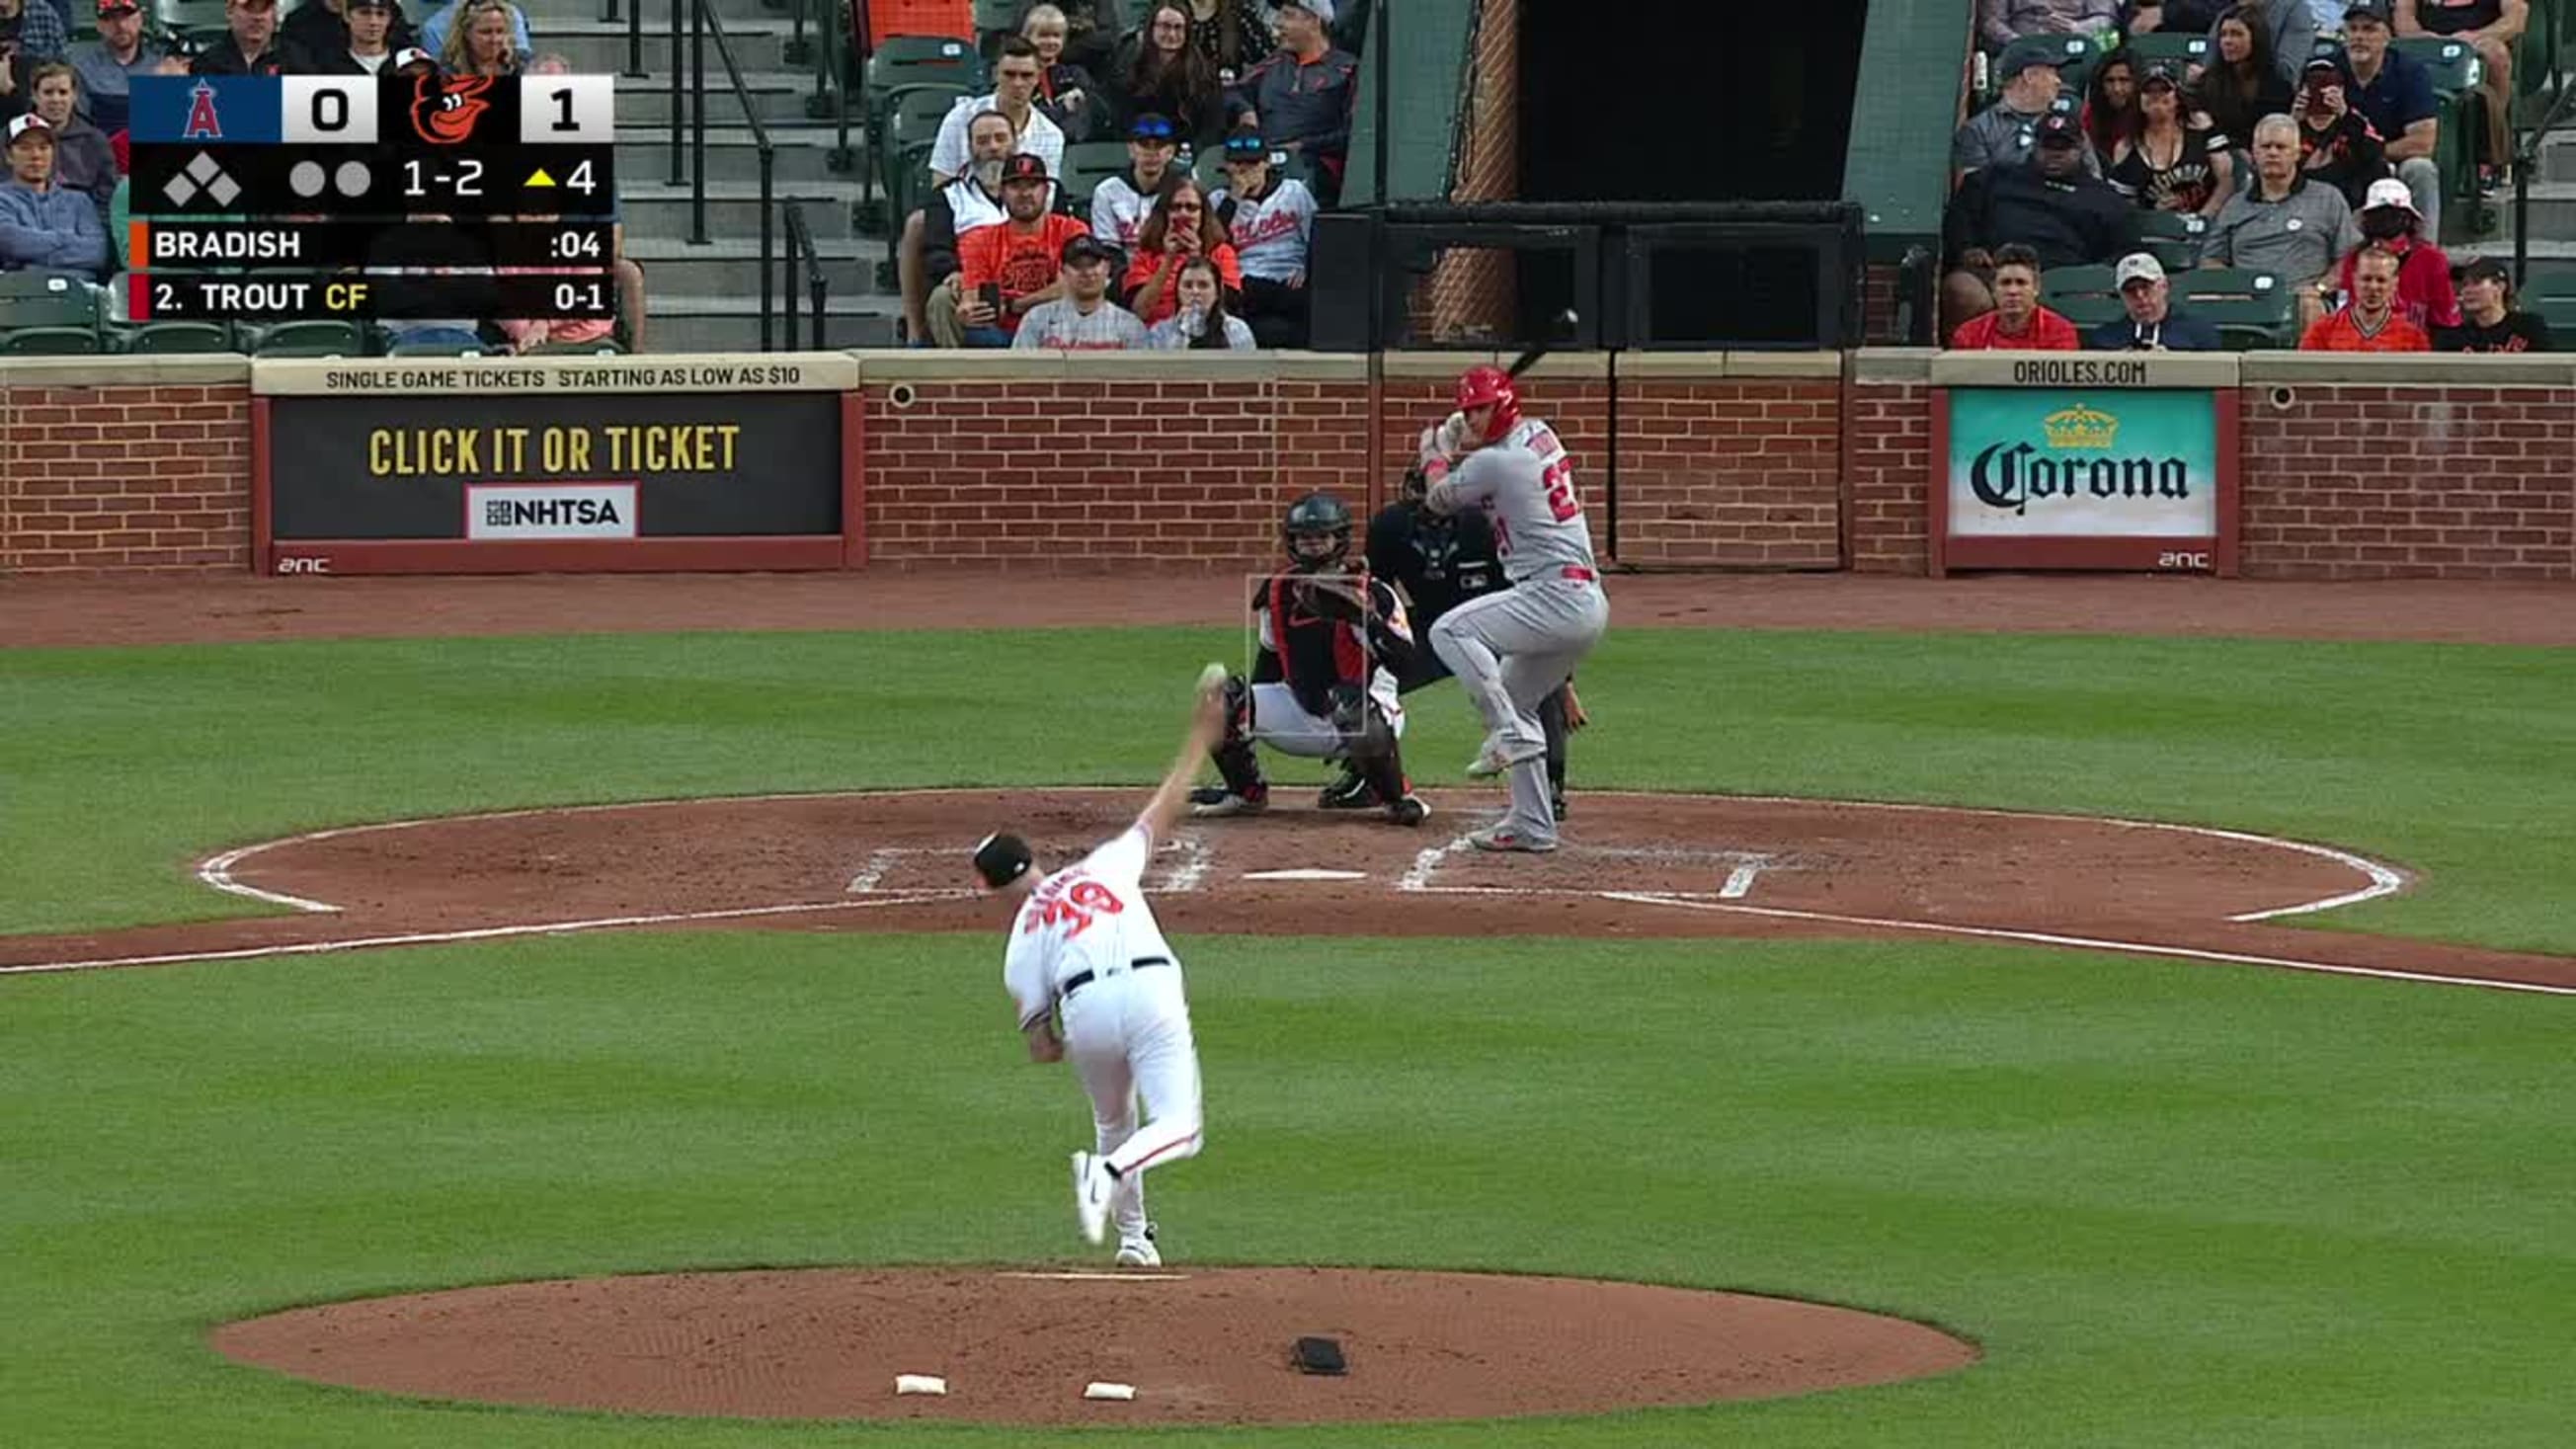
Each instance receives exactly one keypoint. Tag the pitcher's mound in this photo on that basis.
(1200, 1346)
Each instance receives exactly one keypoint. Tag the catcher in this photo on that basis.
(1323, 687)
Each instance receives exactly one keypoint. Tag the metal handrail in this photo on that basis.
(2526, 156)
(702, 19)
(800, 247)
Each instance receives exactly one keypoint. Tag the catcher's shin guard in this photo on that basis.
(1374, 754)
(1233, 754)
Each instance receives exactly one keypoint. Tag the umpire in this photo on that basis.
(1442, 561)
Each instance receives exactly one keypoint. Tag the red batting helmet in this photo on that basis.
(1478, 386)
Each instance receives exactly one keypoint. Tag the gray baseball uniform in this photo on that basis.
(1512, 649)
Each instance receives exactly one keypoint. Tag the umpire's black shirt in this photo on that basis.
(1441, 562)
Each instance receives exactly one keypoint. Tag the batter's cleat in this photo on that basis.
(1501, 752)
(1502, 839)
(1351, 792)
(1215, 802)
(1091, 1187)
(1411, 810)
(1556, 804)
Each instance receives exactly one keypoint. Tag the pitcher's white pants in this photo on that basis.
(1128, 1035)
(1512, 649)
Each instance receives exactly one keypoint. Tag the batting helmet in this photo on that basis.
(1316, 518)
(1480, 386)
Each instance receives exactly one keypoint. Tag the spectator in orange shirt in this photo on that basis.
(2018, 321)
(1016, 264)
(1182, 226)
(2425, 295)
(2370, 322)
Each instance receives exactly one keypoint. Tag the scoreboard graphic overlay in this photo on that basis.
(278, 198)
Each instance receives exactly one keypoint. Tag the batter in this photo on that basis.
(1097, 985)
(1513, 649)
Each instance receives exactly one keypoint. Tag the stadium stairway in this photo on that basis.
(707, 297)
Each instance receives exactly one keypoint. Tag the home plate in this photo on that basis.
(1306, 873)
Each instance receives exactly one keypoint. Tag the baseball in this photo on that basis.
(1212, 678)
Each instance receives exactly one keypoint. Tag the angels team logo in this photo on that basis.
(203, 123)
(445, 108)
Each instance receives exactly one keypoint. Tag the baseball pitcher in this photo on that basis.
(1323, 681)
(1514, 648)
(1098, 985)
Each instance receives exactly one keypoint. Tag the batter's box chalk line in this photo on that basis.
(1187, 858)
(1735, 871)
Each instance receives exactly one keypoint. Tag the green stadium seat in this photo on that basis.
(48, 314)
(2172, 237)
(2085, 296)
(2180, 49)
(319, 338)
(912, 59)
(1086, 165)
(162, 338)
(2454, 63)
(2252, 311)
(912, 117)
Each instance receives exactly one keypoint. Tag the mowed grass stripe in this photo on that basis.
(2175, 1204)
(127, 765)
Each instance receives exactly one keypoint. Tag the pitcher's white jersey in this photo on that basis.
(1525, 483)
(1089, 916)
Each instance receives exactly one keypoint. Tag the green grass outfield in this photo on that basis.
(2176, 1204)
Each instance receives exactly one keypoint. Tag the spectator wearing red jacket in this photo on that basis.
(2425, 295)
(2018, 322)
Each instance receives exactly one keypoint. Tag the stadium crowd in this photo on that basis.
(2296, 158)
(64, 110)
(1007, 253)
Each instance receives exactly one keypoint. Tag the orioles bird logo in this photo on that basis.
(445, 108)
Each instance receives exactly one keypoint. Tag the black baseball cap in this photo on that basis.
(1246, 146)
(1084, 247)
(1002, 858)
(2327, 56)
(2161, 73)
(2485, 269)
(1153, 126)
(2058, 128)
(1024, 167)
(371, 5)
(2378, 10)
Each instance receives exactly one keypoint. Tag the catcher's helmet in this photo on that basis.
(1479, 386)
(1316, 533)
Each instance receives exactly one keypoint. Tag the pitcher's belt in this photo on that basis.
(1081, 979)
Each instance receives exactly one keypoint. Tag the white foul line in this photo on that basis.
(1424, 863)
(2090, 943)
(481, 933)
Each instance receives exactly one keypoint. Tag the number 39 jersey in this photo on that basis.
(1525, 483)
(1089, 916)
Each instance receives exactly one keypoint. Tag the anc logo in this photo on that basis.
(445, 108)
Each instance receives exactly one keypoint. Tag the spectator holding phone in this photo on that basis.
(1014, 266)
(1183, 226)
(2337, 144)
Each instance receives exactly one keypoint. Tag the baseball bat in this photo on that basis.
(1567, 322)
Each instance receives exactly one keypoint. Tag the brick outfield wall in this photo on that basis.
(139, 478)
(2342, 481)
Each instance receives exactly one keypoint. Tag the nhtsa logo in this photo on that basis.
(582, 510)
